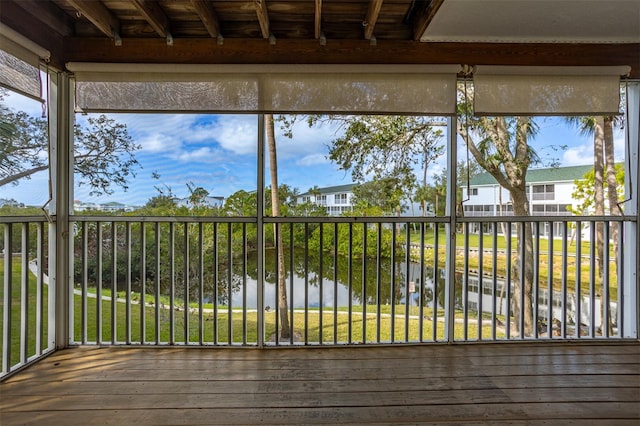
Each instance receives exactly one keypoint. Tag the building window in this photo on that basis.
(341, 199)
(473, 191)
(321, 200)
(543, 192)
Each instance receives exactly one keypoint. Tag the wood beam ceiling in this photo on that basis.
(155, 16)
(371, 18)
(263, 17)
(209, 18)
(99, 16)
(318, 19)
(423, 21)
(287, 51)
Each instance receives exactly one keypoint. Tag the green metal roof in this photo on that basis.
(553, 174)
(331, 189)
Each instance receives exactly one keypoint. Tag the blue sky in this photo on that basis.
(218, 153)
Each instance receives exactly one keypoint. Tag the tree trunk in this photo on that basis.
(598, 168)
(275, 206)
(525, 242)
(612, 196)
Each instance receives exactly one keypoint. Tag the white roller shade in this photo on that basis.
(510, 90)
(19, 63)
(427, 90)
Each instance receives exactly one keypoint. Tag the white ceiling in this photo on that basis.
(536, 21)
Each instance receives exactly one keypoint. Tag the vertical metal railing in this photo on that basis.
(27, 301)
(194, 280)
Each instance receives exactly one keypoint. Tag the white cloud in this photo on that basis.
(236, 133)
(201, 155)
(313, 159)
(578, 155)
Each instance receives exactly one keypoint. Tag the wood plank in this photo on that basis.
(208, 16)
(556, 412)
(318, 19)
(142, 386)
(250, 51)
(99, 16)
(263, 17)
(371, 19)
(155, 16)
(424, 19)
(113, 399)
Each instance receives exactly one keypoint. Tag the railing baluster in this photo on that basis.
(320, 285)
(565, 269)
(436, 275)
(24, 294)
(200, 283)
(393, 283)
(114, 282)
(306, 285)
(291, 288)
(244, 284)
(592, 282)
(216, 278)
(494, 283)
(185, 280)
(157, 282)
(620, 275)
(378, 280)
(578, 314)
(421, 285)
(606, 281)
(85, 281)
(407, 294)
(172, 283)
(230, 285)
(536, 279)
(7, 299)
(39, 288)
(550, 282)
(465, 284)
(99, 242)
(350, 283)
(143, 282)
(508, 282)
(128, 285)
(480, 278)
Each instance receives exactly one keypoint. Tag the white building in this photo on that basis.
(549, 192)
(335, 199)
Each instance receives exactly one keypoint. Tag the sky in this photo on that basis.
(219, 154)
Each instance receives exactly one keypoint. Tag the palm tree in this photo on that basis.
(275, 211)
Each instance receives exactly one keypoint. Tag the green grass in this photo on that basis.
(17, 340)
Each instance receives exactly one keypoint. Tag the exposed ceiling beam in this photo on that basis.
(156, 17)
(423, 21)
(21, 20)
(99, 16)
(252, 51)
(372, 17)
(263, 17)
(49, 14)
(318, 20)
(208, 16)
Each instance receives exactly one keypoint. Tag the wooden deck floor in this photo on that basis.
(550, 383)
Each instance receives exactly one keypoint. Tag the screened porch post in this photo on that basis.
(61, 140)
(631, 272)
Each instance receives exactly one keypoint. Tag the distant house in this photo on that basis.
(549, 192)
(337, 200)
(111, 207)
(208, 201)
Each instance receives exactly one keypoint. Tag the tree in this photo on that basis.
(275, 207)
(103, 150)
(385, 194)
(377, 147)
(500, 145)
